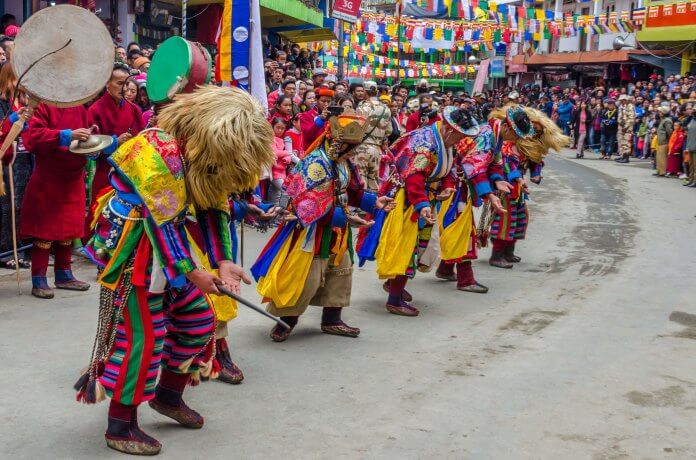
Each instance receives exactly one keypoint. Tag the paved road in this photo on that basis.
(585, 350)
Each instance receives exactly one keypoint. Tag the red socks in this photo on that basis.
(121, 411)
(39, 259)
(63, 254)
(396, 290)
(445, 268)
(173, 381)
(499, 245)
(465, 274)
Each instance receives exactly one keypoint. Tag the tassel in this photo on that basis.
(206, 369)
(215, 371)
(81, 382)
(99, 391)
(184, 367)
(194, 378)
(88, 393)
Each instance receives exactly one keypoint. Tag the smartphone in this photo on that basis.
(335, 110)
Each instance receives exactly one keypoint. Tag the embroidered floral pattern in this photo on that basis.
(153, 164)
(311, 187)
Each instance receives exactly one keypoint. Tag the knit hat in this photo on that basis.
(324, 92)
(11, 30)
(141, 61)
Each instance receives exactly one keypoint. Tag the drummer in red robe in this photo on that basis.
(116, 117)
(53, 208)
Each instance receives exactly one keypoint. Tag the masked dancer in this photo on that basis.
(527, 135)
(208, 144)
(421, 157)
(310, 262)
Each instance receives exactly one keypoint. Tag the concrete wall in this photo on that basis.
(569, 44)
(14, 7)
(606, 41)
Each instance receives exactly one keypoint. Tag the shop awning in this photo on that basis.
(308, 35)
(582, 57)
(275, 13)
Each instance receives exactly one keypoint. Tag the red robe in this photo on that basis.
(311, 130)
(113, 119)
(53, 208)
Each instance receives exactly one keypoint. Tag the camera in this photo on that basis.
(335, 110)
(426, 112)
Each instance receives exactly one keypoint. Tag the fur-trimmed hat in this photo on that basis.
(225, 138)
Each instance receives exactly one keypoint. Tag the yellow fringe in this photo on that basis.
(206, 369)
(185, 366)
(99, 392)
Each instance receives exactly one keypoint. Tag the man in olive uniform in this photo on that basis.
(627, 118)
(369, 153)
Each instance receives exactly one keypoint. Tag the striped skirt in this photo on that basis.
(511, 226)
(169, 329)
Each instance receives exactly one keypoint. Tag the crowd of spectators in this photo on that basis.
(649, 120)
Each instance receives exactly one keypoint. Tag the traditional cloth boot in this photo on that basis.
(405, 296)
(124, 435)
(39, 266)
(466, 281)
(498, 255)
(168, 400)
(331, 323)
(279, 333)
(509, 253)
(64, 276)
(229, 372)
(446, 272)
(395, 303)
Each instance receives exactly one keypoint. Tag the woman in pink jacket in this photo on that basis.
(283, 160)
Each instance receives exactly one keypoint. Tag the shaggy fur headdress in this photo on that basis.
(547, 135)
(226, 141)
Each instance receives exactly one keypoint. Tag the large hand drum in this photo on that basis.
(63, 56)
(178, 66)
(73, 75)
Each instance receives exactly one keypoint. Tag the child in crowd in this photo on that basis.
(283, 159)
(293, 139)
(653, 142)
(641, 135)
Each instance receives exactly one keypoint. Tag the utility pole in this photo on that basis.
(341, 45)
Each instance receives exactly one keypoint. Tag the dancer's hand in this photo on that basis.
(205, 281)
(496, 204)
(359, 221)
(523, 184)
(444, 194)
(427, 215)
(386, 203)
(503, 186)
(289, 217)
(536, 179)
(232, 275)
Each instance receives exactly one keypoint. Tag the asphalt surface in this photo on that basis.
(584, 350)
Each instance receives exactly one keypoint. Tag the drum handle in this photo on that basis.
(203, 50)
